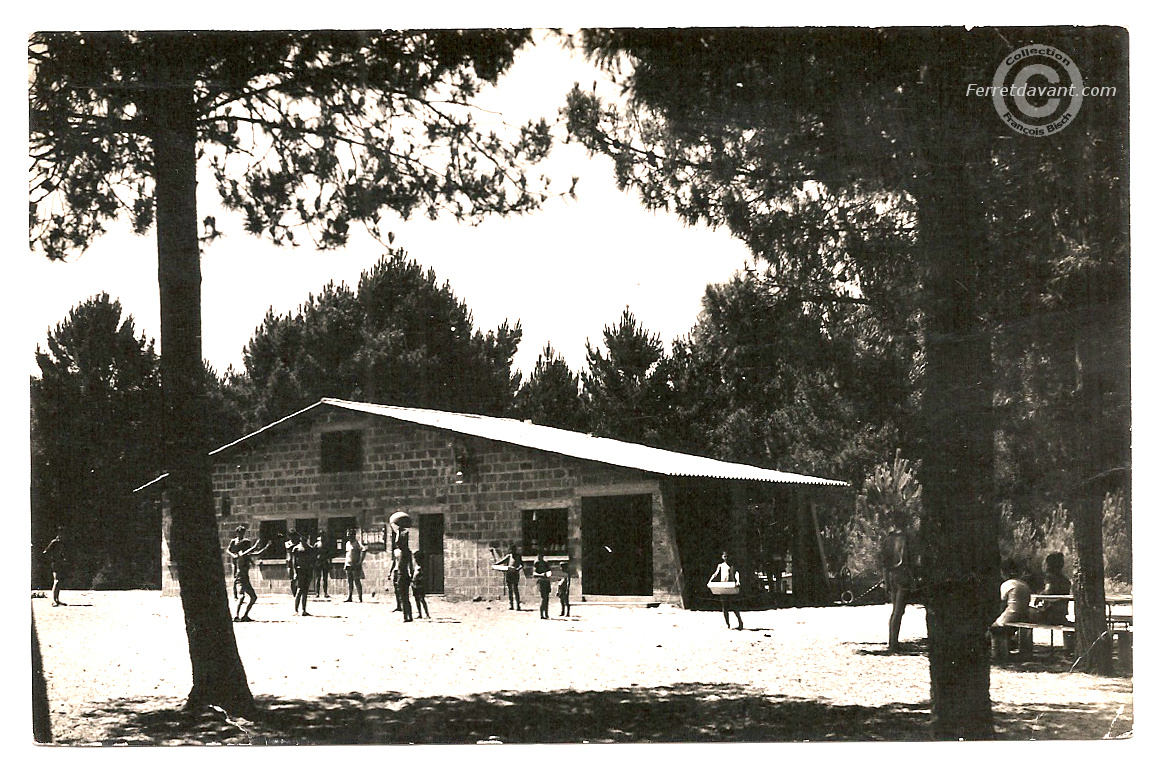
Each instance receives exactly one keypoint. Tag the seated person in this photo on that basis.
(1014, 594)
(1056, 583)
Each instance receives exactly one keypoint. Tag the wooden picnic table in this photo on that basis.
(1118, 625)
(1112, 601)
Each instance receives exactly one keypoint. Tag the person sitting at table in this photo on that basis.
(1015, 595)
(1056, 583)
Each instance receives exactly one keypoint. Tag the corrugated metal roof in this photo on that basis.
(565, 442)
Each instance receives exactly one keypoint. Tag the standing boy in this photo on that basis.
(418, 584)
(236, 545)
(512, 568)
(242, 559)
(726, 572)
(294, 538)
(353, 565)
(322, 567)
(564, 589)
(55, 555)
(302, 556)
(543, 577)
(898, 562)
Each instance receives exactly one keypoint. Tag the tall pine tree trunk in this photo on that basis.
(1091, 341)
(958, 422)
(1093, 641)
(218, 675)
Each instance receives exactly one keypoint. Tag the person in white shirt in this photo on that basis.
(725, 572)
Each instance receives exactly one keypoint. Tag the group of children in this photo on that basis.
(308, 564)
(512, 568)
(408, 575)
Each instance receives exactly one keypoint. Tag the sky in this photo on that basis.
(564, 272)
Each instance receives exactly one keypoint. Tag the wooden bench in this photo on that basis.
(1025, 637)
(1124, 635)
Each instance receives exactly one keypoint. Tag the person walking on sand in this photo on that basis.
(321, 567)
(242, 560)
(726, 572)
(543, 577)
(353, 565)
(54, 553)
(514, 568)
(418, 584)
(564, 589)
(302, 558)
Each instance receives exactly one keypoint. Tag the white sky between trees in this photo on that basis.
(565, 271)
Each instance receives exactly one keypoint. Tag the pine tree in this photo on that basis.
(304, 135)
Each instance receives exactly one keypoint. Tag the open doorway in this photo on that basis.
(616, 539)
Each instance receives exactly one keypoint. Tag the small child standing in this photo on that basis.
(418, 584)
(564, 589)
(543, 576)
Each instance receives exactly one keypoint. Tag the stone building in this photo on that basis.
(637, 524)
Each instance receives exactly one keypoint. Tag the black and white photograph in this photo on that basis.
(479, 383)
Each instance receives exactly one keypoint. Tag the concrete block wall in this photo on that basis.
(412, 468)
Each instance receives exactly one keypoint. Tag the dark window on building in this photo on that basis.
(545, 531)
(307, 527)
(273, 532)
(336, 529)
(341, 451)
(226, 506)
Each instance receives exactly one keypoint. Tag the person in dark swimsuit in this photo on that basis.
(405, 573)
(899, 565)
(514, 569)
(302, 558)
(236, 545)
(322, 567)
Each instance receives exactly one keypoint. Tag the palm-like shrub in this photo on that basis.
(891, 491)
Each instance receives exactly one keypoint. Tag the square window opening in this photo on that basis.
(341, 451)
(545, 531)
(336, 528)
(273, 532)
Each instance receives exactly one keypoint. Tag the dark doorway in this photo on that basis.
(616, 538)
(430, 528)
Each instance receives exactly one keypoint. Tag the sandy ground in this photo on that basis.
(117, 671)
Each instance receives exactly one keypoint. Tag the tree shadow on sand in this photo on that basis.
(689, 712)
(918, 647)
